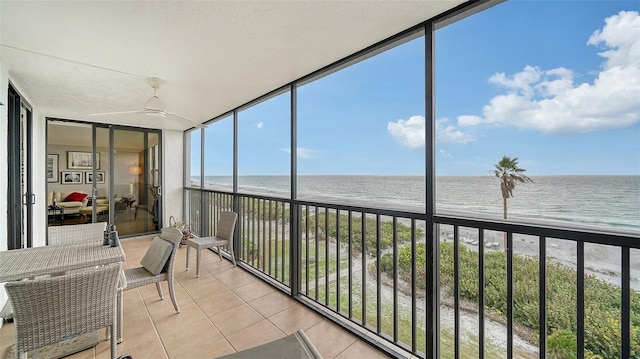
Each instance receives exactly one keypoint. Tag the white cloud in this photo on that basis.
(445, 154)
(259, 125)
(464, 121)
(450, 134)
(550, 101)
(302, 152)
(411, 132)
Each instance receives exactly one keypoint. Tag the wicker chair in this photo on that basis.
(76, 233)
(141, 276)
(51, 310)
(225, 229)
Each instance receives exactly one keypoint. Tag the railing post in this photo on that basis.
(205, 199)
(432, 238)
(295, 253)
(625, 312)
(238, 235)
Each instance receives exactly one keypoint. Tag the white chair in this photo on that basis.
(51, 310)
(224, 237)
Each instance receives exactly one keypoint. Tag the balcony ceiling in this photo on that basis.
(70, 59)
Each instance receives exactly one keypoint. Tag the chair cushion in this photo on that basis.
(157, 255)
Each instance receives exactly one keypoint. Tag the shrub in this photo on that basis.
(328, 226)
(602, 299)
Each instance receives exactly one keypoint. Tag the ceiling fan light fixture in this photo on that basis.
(154, 113)
(155, 104)
(154, 107)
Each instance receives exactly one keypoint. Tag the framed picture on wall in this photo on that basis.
(78, 160)
(52, 168)
(71, 177)
(88, 177)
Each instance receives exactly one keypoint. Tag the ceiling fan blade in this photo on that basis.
(195, 123)
(116, 113)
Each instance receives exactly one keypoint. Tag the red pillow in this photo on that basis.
(75, 197)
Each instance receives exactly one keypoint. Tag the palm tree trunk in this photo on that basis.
(504, 207)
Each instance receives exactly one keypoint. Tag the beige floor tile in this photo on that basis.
(260, 333)
(360, 349)
(272, 303)
(253, 290)
(198, 335)
(219, 302)
(235, 319)
(295, 317)
(139, 346)
(85, 354)
(184, 321)
(211, 349)
(4, 349)
(329, 339)
(201, 288)
(6, 337)
(235, 277)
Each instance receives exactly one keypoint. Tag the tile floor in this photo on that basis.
(224, 311)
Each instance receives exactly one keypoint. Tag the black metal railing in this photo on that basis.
(368, 268)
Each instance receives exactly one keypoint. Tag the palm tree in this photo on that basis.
(509, 173)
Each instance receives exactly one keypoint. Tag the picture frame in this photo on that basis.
(71, 177)
(88, 177)
(52, 168)
(80, 160)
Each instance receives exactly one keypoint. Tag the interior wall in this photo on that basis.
(39, 172)
(172, 160)
(61, 151)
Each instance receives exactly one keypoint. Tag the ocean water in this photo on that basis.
(611, 202)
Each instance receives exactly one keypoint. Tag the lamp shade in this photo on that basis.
(135, 170)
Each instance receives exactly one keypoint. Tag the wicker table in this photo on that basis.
(18, 264)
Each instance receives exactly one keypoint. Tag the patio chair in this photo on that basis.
(224, 237)
(76, 233)
(51, 310)
(157, 264)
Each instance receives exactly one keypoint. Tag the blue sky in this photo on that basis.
(554, 83)
(560, 89)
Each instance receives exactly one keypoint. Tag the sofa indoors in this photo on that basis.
(71, 202)
(102, 209)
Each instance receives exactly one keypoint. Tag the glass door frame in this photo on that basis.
(20, 196)
(150, 160)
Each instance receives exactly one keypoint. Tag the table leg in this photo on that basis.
(198, 262)
(188, 255)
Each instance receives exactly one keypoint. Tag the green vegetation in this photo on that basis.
(370, 235)
(468, 347)
(602, 300)
(265, 210)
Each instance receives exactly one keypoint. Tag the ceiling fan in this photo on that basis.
(154, 106)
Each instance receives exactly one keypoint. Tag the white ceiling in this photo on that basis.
(74, 58)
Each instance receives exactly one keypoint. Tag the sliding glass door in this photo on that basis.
(117, 168)
(136, 181)
(20, 197)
